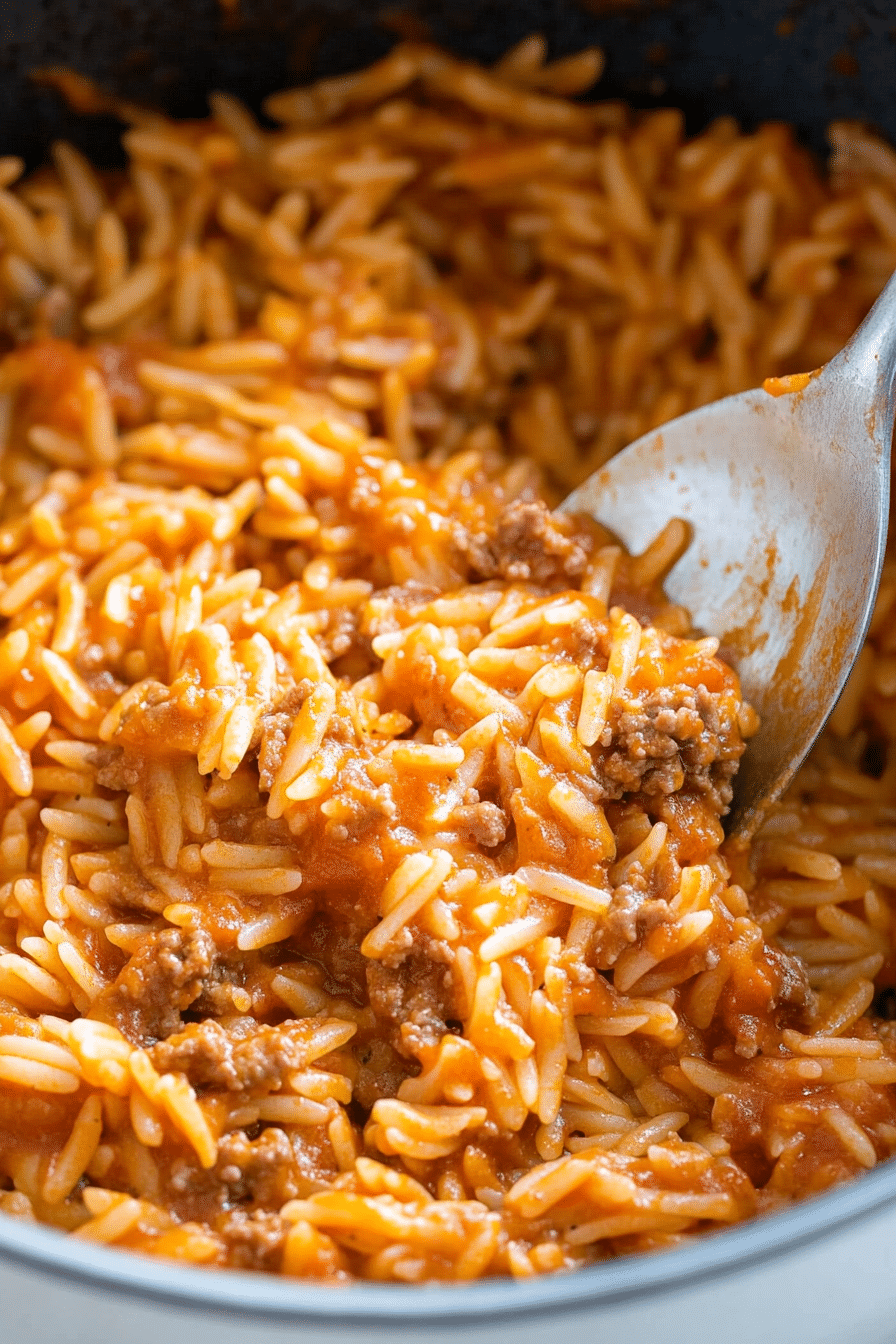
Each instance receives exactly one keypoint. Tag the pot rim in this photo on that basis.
(274, 1299)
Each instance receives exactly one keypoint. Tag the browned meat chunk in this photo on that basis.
(275, 1167)
(483, 823)
(632, 914)
(161, 980)
(239, 1058)
(254, 1240)
(116, 770)
(274, 731)
(263, 1169)
(527, 543)
(793, 978)
(416, 997)
(671, 740)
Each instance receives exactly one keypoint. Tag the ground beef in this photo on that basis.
(161, 980)
(276, 1166)
(370, 808)
(381, 1071)
(590, 639)
(632, 915)
(263, 1169)
(273, 731)
(482, 823)
(793, 979)
(116, 770)
(527, 543)
(619, 925)
(241, 1057)
(254, 1240)
(668, 741)
(415, 998)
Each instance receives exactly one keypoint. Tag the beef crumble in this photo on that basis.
(527, 543)
(670, 741)
(240, 1057)
(254, 1239)
(415, 998)
(273, 730)
(160, 982)
(481, 823)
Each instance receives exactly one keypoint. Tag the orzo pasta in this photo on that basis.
(364, 908)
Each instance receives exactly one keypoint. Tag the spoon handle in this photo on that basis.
(866, 366)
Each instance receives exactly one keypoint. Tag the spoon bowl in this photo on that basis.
(786, 491)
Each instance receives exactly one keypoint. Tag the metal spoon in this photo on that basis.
(788, 497)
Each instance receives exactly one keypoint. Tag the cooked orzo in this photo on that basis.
(365, 908)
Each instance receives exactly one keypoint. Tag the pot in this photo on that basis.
(821, 1272)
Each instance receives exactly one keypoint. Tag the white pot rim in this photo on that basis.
(263, 1297)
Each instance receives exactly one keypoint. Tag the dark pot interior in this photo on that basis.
(801, 61)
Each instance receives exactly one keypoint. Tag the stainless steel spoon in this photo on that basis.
(788, 500)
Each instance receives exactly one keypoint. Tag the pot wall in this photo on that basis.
(806, 63)
(840, 1287)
